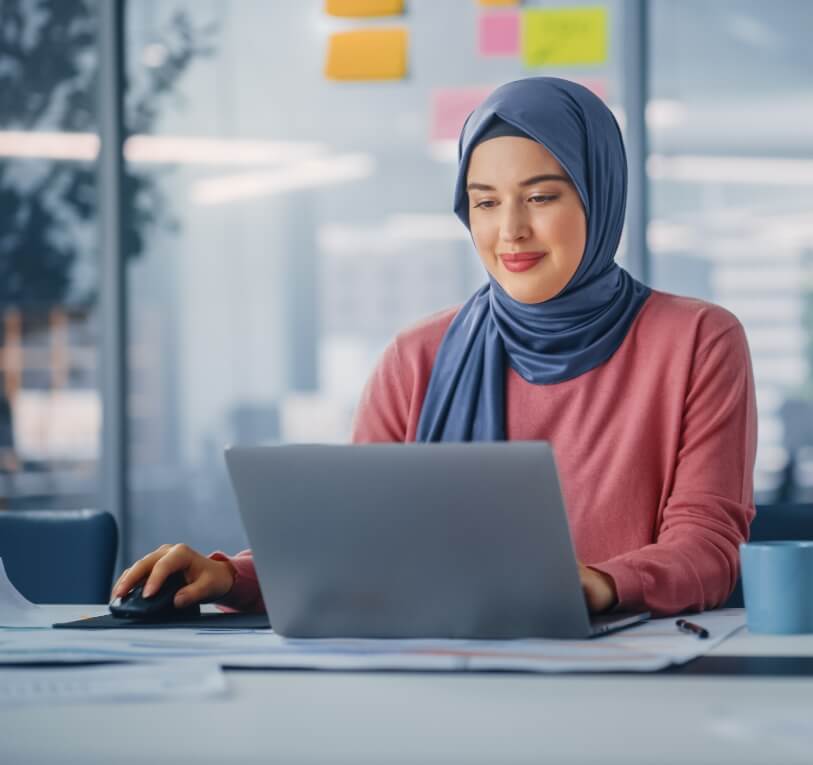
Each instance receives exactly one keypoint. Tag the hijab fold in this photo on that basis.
(582, 326)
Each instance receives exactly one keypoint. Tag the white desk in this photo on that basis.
(382, 718)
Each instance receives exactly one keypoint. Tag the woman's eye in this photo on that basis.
(486, 203)
(543, 197)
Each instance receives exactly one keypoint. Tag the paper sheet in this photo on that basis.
(662, 635)
(15, 609)
(139, 682)
(651, 646)
(646, 647)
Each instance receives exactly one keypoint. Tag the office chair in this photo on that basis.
(59, 556)
(774, 523)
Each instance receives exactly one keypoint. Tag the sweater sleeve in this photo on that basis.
(694, 562)
(245, 592)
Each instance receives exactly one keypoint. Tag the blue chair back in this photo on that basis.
(773, 523)
(59, 556)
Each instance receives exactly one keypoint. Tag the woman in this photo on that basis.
(647, 398)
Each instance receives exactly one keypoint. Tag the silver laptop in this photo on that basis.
(463, 540)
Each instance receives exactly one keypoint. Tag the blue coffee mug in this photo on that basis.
(777, 584)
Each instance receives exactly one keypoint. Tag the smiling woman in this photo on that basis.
(525, 216)
(646, 397)
(564, 345)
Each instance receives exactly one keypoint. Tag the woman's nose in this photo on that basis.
(514, 224)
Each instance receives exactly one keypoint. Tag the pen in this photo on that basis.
(691, 627)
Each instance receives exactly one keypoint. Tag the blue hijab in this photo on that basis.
(582, 326)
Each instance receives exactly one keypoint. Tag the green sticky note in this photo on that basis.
(564, 36)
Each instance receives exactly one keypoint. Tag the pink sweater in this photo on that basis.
(655, 449)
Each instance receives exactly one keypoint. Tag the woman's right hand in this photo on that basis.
(206, 579)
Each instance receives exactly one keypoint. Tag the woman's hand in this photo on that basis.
(207, 579)
(599, 589)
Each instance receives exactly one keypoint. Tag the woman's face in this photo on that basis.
(526, 217)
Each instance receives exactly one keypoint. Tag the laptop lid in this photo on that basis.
(445, 540)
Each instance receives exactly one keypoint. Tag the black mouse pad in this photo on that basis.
(216, 621)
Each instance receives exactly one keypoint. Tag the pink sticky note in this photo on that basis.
(499, 33)
(450, 107)
(596, 84)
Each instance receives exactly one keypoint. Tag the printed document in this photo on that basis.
(645, 647)
(15, 609)
(132, 682)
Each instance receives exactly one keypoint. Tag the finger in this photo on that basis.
(177, 558)
(195, 592)
(138, 571)
(116, 584)
(118, 581)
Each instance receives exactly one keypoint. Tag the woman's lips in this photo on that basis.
(521, 261)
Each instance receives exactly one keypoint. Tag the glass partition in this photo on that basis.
(50, 412)
(731, 173)
(312, 221)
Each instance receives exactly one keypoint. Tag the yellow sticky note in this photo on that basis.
(374, 53)
(364, 7)
(564, 36)
(493, 3)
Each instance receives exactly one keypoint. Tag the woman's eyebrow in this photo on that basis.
(527, 182)
(541, 178)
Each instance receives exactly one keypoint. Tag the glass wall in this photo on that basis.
(50, 410)
(312, 221)
(731, 174)
(281, 228)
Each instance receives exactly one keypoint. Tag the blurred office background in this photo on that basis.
(279, 228)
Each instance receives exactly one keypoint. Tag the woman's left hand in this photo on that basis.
(599, 589)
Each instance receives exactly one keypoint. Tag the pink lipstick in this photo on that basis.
(521, 261)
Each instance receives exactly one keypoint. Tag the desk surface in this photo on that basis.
(314, 717)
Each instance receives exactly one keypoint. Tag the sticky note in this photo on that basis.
(494, 3)
(450, 107)
(498, 33)
(367, 54)
(564, 36)
(597, 85)
(357, 8)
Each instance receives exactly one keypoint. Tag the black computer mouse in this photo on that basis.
(159, 606)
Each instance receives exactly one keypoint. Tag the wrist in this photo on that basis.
(610, 599)
(228, 571)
